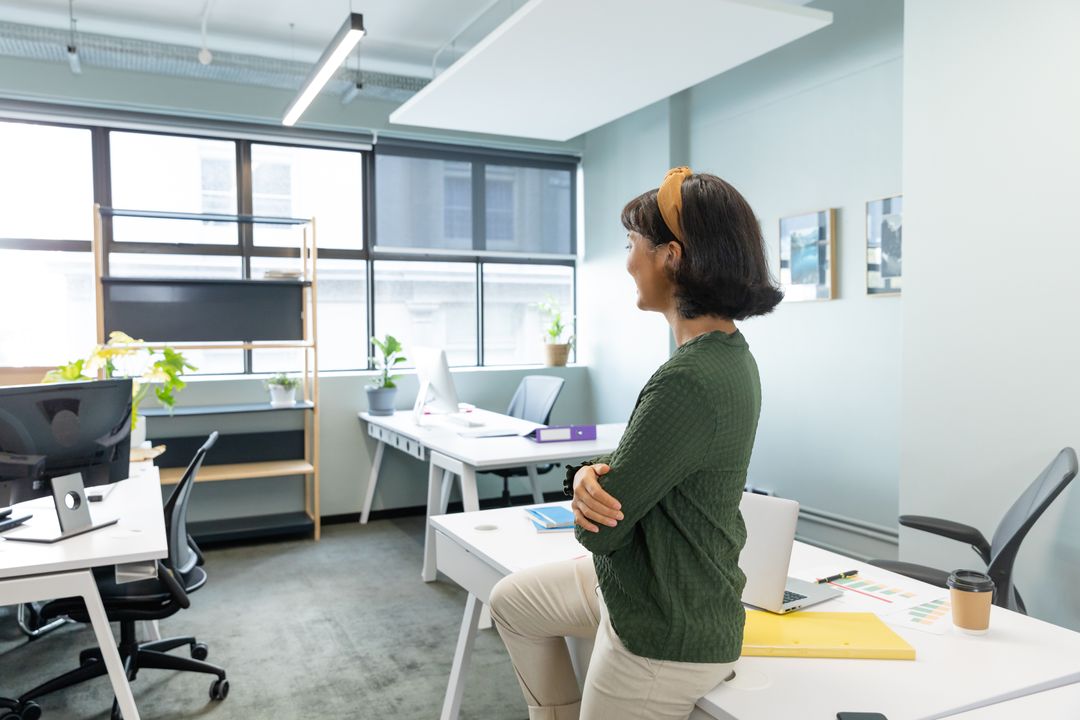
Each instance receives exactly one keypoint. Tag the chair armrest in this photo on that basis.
(951, 530)
(173, 585)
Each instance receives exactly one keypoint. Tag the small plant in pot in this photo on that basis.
(383, 388)
(556, 349)
(282, 390)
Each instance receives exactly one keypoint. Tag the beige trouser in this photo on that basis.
(535, 609)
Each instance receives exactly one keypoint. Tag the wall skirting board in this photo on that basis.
(848, 536)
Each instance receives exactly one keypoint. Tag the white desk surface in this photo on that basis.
(139, 535)
(951, 671)
(495, 452)
(1061, 703)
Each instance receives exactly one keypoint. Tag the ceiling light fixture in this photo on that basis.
(72, 52)
(205, 56)
(336, 52)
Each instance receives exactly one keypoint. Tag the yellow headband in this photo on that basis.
(669, 198)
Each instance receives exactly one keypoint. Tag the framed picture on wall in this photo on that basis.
(884, 231)
(808, 256)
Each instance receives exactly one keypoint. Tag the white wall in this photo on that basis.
(991, 180)
(815, 125)
(621, 345)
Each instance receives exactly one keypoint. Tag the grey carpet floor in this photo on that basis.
(342, 628)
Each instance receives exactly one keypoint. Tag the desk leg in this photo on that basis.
(373, 478)
(434, 495)
(107, 643)
(462, 656)
(469, 497)
(447, 486)
(534, 482)
(80, 583)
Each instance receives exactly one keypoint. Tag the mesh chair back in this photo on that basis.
(181, 557)
(534, 398)
(1025, 512)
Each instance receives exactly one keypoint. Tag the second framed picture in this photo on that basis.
(808, 256)
(884, 232)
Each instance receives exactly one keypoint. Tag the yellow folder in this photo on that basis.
(822, 634)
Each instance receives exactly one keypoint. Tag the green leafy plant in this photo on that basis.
(283, 380)
(555, 327)
(160, 369)
(391, 356)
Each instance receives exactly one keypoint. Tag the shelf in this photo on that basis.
(205, 217)
(240, 471)
(223, 409)
(243, 282)
(246, 528)
(254, 345)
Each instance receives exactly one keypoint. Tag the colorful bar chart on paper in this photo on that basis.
(872, 588)
(933, 617)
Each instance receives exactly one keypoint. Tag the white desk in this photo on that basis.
(450, 455)
(952, 672)
(32, 571)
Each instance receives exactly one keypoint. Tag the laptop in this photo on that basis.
(770, 534)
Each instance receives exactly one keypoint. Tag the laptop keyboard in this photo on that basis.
(792, 596)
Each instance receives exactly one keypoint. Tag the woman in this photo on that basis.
(660, 514)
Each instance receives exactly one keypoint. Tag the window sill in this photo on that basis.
(374, 373)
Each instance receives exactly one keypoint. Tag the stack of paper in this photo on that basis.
(551, 518)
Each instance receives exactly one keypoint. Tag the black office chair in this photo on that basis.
(1000, 553)
(533, 400)
(155, 599)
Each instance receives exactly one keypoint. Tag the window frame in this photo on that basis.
(102, 123)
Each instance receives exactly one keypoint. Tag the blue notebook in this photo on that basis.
(551, 517)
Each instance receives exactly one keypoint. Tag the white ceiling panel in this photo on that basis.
(558, 68)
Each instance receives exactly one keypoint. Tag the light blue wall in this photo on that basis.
(813, 125)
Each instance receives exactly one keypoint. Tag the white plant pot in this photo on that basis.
(138, 433)
(282, 396)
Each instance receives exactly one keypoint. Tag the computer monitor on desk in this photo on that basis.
(436, 394)
(59, 439)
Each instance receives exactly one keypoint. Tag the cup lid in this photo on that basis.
(970, 581)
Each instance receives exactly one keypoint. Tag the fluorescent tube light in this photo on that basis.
(336, 52)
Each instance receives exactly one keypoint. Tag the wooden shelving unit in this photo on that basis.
(118, 300)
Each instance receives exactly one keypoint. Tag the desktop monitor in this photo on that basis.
(57, 439)
(436, 393)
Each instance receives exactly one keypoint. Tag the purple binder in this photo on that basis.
(563, 433)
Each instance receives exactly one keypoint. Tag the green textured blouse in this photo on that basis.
(669, 570)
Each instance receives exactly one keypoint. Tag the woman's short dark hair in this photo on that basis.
(723, 270)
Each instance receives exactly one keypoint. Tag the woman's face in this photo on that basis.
(646, 264)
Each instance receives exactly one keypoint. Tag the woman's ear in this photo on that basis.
(673, 255)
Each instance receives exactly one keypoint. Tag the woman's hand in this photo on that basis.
(591, 502)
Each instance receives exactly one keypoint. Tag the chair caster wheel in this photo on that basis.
(219, 689)
(199, 651)
(28, 710)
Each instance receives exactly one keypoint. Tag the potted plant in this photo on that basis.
(382, 390)
(124, 356)
(555, 348)
(282, 390)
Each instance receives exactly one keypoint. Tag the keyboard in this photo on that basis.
(792, 596)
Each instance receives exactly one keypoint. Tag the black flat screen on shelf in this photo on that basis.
(174, 310)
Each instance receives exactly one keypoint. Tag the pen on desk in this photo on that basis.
(840, 576)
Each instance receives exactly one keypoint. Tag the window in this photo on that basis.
(179, 174)
(423, 203)
(528, 210)
(465, 242)
(514, 325)
(45, 231)
(327, 185)
(47, 183)
(429, 304)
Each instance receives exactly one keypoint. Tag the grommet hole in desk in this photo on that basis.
(747, 679)
(486, 528)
